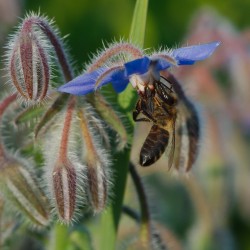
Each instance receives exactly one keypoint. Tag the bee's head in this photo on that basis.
(141, 82)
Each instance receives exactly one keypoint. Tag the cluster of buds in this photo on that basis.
(77, 170)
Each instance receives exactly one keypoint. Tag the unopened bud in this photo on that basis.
(97, 187)
(65, 190)
(98, 175)
(20, 189)
(28, 62)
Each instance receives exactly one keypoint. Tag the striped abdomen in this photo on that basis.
(154, 145)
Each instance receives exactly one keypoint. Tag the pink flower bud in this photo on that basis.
(97, 163)
(97, 187)
(28, 62)
(64, 188)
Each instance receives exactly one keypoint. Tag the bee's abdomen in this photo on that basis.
(154, 145)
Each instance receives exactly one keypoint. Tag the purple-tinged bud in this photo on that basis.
(28, 62)
(65, 190)
(22, 192)
(95, 158)
(97, 187)
(63, 171)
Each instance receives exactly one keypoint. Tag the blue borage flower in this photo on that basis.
(139, 72)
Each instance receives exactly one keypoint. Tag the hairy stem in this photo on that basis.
(125, 48)
(61, 55)
(66, 129)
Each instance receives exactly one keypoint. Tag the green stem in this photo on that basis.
(58, 46)
(110, 218)
(131, 213)
(59, 238)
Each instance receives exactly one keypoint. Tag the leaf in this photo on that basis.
(59, 240)
(137, 30)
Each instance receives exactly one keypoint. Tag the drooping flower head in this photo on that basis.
(140, 72)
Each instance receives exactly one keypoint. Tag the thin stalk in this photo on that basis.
(145, 231)
(66, 69)
(61, 55)
(66, 129)
(111, 217)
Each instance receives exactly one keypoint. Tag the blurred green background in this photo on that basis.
(89, 23)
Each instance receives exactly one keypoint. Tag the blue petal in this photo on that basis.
(189, 55)
(85, 83)
(119, 80)
(137, 66)
(162, 64)
(120, 86)
(82, 84)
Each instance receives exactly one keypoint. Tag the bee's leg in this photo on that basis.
(135, 115)
(148, 118)
(157, 101)
(141, 107)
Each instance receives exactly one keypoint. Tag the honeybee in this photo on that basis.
(175, 125)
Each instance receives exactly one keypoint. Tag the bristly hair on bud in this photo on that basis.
(22, 192)
(28, 60)
(64, 173)
(98, 173)
(64, 187)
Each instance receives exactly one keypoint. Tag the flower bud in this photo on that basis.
(28, 62)
(97, 186)
(21, 190)
(64, 188)
(63, 175)
(95, 159)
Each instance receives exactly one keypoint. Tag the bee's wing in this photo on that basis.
(187, 137)
(182, 144)
(170, 151)
(193, 131)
